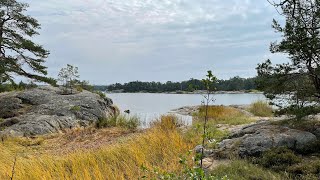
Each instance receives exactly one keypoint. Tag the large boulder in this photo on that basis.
(255, 139)
(45, 110)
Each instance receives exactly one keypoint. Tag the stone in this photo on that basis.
(45, 110)
(255, 139)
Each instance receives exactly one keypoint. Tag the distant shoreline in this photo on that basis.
(186, 92)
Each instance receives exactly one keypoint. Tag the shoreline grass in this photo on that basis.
(261, 108)
(223, 115)
(157, 148)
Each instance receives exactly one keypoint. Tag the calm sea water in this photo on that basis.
(148, 106)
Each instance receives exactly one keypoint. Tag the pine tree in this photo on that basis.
(18, 54)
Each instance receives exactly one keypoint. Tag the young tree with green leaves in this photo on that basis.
(69, 76)
(294, 85)
(19, 55)
(209, 83)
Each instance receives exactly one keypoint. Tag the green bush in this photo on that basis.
(279, 158)
(261, 108)
(299, 112)
(129, 122)
(101, 94)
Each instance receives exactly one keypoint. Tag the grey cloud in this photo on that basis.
(122, 40)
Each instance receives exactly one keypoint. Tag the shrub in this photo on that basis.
(299, 112)
(129, 122)
(79, 88)
(261, 108)
(309, 169)
(279, 158)
(101, 94)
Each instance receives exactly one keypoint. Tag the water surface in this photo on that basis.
(149, 106)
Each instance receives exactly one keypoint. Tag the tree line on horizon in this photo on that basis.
(233, 84)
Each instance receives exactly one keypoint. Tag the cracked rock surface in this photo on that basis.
(253, 140)
(44, 110)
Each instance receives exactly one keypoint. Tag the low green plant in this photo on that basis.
(187, 172)
(309, 169)
(213, 134)
(79, 88)
(244, 170)
(75, 108)
(261, 108)
(129, 122)
(101, 94)
(279, 158)
(298, 111)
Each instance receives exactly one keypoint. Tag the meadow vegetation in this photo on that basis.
(124, 121)
(164, 151)
(261, 108)
(224, 115)
(157, 148)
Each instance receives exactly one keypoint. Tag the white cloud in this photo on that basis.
(162, 35)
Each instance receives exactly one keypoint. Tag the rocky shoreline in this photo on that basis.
(46, 110)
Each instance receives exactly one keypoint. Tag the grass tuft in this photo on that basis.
(261, 108)
(243, 170)
(223, 115)
(129, 122)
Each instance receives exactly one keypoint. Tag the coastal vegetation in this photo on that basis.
(233, 84)
(294, 86)
(261, 108)
(164, 150)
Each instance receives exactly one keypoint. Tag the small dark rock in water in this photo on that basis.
(127, 111)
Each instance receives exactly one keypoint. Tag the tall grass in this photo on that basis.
(224, 115)
(125, 121)
(157, 148)
(261, 108)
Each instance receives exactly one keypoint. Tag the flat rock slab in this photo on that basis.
(44, 110)
(255, 139)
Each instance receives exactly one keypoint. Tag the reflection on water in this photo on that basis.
(149, 107)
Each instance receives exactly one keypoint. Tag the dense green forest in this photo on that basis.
(233, 84)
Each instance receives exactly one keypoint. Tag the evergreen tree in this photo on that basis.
(18, 53)
(296, 82)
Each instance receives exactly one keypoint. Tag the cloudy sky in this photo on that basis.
(155, 40)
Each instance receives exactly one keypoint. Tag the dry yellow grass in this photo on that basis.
(158, 147)
(224, 115)
(261, 108)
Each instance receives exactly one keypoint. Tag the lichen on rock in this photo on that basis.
(45, 110)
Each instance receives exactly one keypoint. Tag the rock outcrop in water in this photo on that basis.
(44, 110)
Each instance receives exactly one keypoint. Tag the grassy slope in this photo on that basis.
(122, 155)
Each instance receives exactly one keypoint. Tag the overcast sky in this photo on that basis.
(155, 40)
